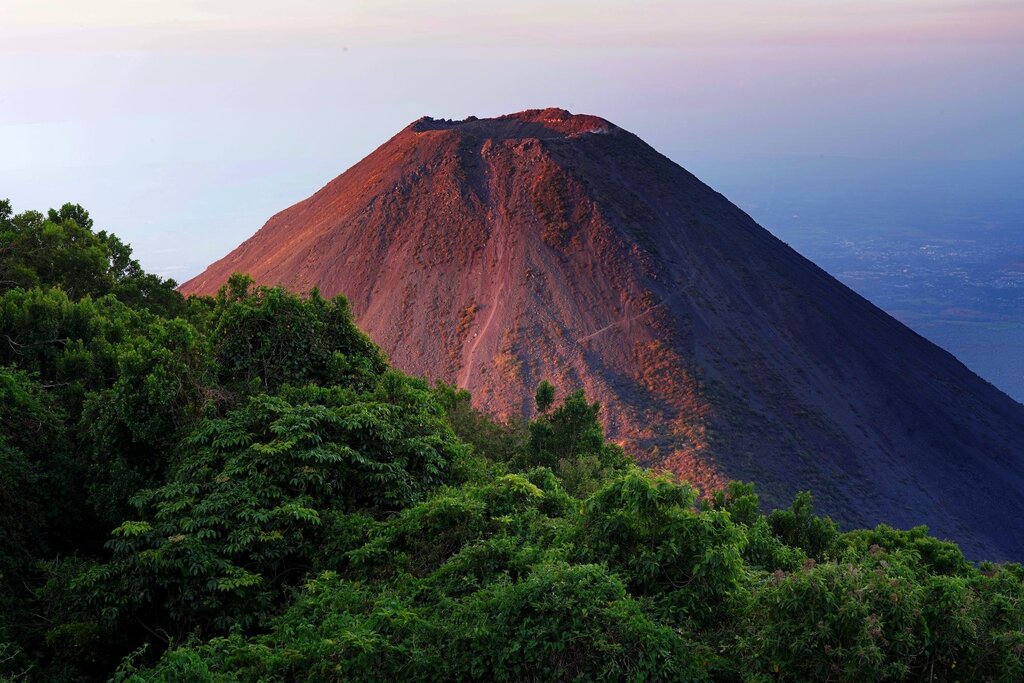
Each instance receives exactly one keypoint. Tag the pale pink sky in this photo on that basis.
(184, 125)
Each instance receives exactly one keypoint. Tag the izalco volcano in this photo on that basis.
(495, 253)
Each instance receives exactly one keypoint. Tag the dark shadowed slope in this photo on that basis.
(500, 252)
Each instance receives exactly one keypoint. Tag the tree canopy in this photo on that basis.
(240, 488)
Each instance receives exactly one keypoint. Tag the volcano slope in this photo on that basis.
(542, 245)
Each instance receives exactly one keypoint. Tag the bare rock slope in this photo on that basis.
(542, 245)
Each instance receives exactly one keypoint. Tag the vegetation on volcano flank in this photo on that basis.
(240, 488)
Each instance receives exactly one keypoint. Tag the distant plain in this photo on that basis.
(937, 244)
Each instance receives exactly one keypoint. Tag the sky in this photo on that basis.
(182, 125)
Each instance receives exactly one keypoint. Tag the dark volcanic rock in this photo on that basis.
(541, 245)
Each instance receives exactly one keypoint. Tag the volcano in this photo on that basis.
(495, 253)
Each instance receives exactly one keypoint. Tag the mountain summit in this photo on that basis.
(495, 253)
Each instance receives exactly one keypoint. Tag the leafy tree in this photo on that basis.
(545, 396)
(938, 557)
(570, 431)
(853, 621)
(649, 530)
(738, 499)
(34, 471)
(423, 538)
(242, 516)
(125, 381)
(132, 429)
(502, 442)
(800, 528)
(60, 249)
(763, 548)
(268, 337)
(69, 344)
(37, 476)
(570, 441)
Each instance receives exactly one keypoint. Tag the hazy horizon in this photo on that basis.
(201, 109)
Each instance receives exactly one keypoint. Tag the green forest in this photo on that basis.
(241, 488)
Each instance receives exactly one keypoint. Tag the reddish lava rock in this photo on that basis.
(543, 245)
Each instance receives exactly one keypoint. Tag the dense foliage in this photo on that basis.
(239, 488)
(60, 249)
